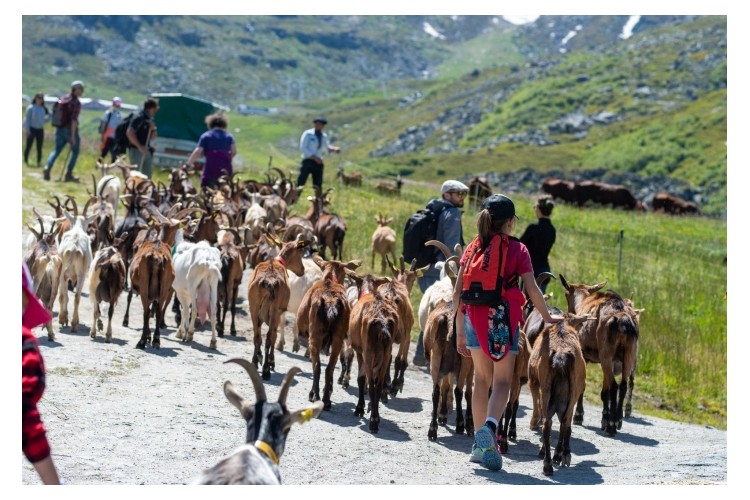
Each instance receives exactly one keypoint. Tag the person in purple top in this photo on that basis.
(218, 148)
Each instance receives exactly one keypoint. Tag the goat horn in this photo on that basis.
(185, 211)
(93, 178)
(283, 177)
(442, 246)
(260, 391)
(36, 235)
(543, 277)
(88, 203)
(286, 383)
(72, 200)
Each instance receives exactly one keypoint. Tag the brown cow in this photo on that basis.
(606, 194)
(671, 204)
(559, 188)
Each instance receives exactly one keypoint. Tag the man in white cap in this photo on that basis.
(107, 125)
(68, 108)
(449, 232)
(314, 145)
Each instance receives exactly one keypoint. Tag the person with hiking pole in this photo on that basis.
(314, 144)
(494, 307)
(141, 131)
(65, 120)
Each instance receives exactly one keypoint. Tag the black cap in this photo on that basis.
(500, 207)
(321, 119)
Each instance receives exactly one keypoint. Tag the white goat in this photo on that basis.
(197, 269)
(108, 189)
(298, 285)
(75, 251)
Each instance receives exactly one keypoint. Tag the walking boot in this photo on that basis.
(70, 178)
(46, 172)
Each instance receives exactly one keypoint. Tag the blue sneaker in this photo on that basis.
(486, 440)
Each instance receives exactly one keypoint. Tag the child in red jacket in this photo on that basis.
(34, 440)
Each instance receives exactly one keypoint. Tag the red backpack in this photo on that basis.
(484, 270)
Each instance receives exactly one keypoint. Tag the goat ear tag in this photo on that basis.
(419, 273)
(306, 415)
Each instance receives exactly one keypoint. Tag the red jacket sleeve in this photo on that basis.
(34, 441)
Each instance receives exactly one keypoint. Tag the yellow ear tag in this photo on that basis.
(420, 274)
(306, 415)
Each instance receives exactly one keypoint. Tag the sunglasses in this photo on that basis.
(460, 194)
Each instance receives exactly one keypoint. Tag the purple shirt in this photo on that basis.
(216, 144)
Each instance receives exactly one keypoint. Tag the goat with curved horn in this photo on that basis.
(260, 391)
(441, 246)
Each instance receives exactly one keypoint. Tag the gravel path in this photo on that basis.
(118, 415)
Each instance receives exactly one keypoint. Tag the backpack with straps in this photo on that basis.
(483, 271)
(121, 142)
(420, 228)
(61, 112)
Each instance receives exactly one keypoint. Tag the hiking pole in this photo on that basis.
(143, 156)
(65, 164)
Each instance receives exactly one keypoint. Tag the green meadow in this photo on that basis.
(674, 268)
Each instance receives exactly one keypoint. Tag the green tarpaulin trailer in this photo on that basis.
(180, 122)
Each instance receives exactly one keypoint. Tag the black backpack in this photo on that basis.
(420, 228)
(61, 112)
(121, 141)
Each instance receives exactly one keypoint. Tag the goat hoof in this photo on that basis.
(141, 345)
(556, 458)
(459, 428)
(212, 345)
(512, 434)
(619, 425)
(295, 347)
(51, 337)
(92, 334)
(628, 411)
(470, 428)
(442, 420)
(432, 434)
(155, 344)
(565, 460)
(125, 323)
(541, 453)
(359, 411)
(327, 406)
(548, 469)
(577, 420)
(108, 339)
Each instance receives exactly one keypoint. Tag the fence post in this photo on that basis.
(619, 257)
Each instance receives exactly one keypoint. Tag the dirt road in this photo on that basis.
(118, 415)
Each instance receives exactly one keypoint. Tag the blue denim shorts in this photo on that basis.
(472, 342)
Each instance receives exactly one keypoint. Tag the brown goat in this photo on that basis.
(323, 317)
(373, 325)
(232, 265)
(557, 378)
(612, 338)
(383, 241)
(106, 283)
(353, 179)
(330, 229)
(268, 296)
(445, 364)
(45, 264)
(151, 276)
(397, 291)
(385, 187)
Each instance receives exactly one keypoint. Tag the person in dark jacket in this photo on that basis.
(33, 434)
(449, 231)
(540, 236)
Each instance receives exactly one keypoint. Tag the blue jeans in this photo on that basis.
(62, 137)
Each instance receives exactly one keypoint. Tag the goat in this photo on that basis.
(323, 317)
(385, 187)
(557, 378)
(268, 297)
(397, 291)
(108, 188)
(197, 272)
(383, 241)
(268, 424)
(446, 363)
(151, 276)
(298, 286)
(75, 250)
(373, 325)
(106, 283)
(533, 324)
(44, 263)
(353, 179)
(611, 338)
(232, 263)
(330, 229)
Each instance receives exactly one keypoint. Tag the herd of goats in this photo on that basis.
(173, 239)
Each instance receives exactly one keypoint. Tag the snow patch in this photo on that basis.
(521, 19)
(570, 35)
(427, 27)
(627, 30)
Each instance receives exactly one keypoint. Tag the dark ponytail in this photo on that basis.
(486, 227)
